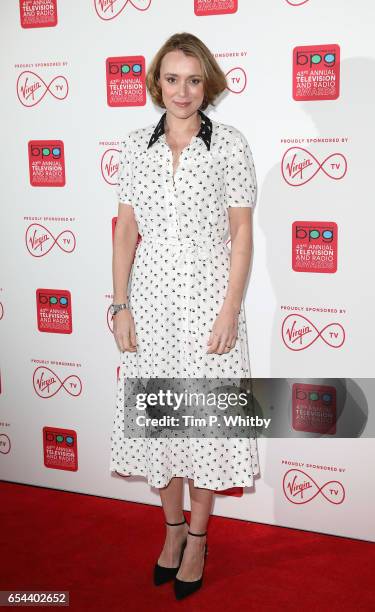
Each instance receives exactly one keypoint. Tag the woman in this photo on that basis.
(186, 183)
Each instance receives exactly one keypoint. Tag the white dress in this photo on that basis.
(176, 289)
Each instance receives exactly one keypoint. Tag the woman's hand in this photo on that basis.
(224, 331)
(124, 330)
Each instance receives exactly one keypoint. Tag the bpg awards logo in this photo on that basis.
(54, 311)
(316, 72)
(299, 166)
(46, 163)
(125, 78)
(215, 7)
(110, 9)
(38, 13)
(314, 246)
(60, 448)
(314, 408)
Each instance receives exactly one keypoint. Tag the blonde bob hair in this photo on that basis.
(214, 79)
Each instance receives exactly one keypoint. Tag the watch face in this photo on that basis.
(111, 308)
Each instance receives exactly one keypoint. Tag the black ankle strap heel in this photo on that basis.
(165, 574)
(175, 524)
(182, 588)
(200, 535)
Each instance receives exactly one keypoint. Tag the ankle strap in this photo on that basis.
(199, 535)
(175, 524)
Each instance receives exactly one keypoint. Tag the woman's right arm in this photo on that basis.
(124, 246)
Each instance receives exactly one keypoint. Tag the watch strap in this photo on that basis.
(117, 307)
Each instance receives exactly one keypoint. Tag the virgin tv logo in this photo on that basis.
(300, 488)
(32, 88)
(299, 333)
(299, 166)
(110, 9)
(109, 165)
(47, 383)
(40, 240)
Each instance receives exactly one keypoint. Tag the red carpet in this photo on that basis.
(103, 551)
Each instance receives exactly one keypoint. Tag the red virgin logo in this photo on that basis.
(300, 488)
(109, 166)
(109, 9)
(40, 241)
(299, 166)
(298, 333)
(31, 88)
(46, 383)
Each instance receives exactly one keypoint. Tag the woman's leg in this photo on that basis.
(171, 499)
(193, 560)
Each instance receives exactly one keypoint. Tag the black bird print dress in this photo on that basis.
(176, 288)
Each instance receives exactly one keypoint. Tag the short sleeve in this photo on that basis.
(124, 189)
(240, 176)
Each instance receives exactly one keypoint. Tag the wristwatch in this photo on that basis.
(114, 308)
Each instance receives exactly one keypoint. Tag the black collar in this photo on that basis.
(204, 133)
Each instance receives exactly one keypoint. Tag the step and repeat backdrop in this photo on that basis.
(300, 86)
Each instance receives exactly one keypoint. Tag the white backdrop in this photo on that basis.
(308, 304)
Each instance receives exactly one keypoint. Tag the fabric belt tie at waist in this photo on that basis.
(203, 248)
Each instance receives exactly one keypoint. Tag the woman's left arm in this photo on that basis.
(241, 194)
(240, 220)
(224, 331)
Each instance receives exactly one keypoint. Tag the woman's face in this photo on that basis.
(181, 82)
